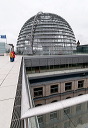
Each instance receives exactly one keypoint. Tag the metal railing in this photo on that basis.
(29, 113)
(27, 102)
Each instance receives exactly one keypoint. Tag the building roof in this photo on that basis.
(34, 61)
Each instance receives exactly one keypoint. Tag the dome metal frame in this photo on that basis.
(46, 34)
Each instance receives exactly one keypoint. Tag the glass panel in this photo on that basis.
(70, 117)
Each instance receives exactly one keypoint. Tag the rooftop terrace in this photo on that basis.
(9, 72)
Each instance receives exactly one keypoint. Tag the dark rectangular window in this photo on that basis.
(78, 108)
(67, 111)
(68, 86)
(40, 119)
(54, 88)
(80, 84)
(56, 66)
(53, 115)
(28, 70)
(43, 68)
(51, 66)
(37, 70)
(62, 66)
(38, 92)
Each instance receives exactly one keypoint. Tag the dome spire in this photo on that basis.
(78, 43)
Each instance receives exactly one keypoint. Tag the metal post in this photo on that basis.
(26, 123)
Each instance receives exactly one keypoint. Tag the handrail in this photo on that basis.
(25, 100)
(55, 106)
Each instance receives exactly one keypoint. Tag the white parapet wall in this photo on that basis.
(9, 73)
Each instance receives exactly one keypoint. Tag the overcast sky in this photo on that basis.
(14, 13)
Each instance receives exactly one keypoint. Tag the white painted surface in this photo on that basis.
(55, 106)
(25, 100)
(9, 72)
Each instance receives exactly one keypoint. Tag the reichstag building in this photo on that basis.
(46, 34)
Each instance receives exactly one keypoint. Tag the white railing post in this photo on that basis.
(26, 123)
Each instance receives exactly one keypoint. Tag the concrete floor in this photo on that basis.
(9, 72)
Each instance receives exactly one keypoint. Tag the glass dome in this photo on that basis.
(46, 34)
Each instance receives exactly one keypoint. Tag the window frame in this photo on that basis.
(80, 85)
(40, 119)
(68, 86)
(38, 93)
(78, 108)
(54, 88)
(53, 115)
(67, 111)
